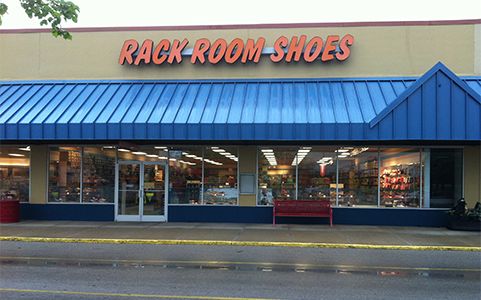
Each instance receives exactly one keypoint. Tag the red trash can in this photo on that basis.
(9, 210)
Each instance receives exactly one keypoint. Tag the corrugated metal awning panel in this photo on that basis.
(188, 110)
(245, 110)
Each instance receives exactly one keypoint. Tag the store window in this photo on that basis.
(400, 177)
(185, 175)
(220, 175)
(317, 173)
(64, 174)
(446, 176)
(358, 176)
(14, 172)
(277, 174)
(98, 174)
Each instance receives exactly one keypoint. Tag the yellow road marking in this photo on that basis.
(104, 294)
(236, 243)
(223, 263)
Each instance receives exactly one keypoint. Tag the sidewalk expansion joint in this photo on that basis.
(238, 243)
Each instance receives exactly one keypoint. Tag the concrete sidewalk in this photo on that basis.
(283, 233)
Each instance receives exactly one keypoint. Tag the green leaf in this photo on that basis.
(51, 12)
(3, 10)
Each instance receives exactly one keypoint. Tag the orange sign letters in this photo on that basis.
(295, 49)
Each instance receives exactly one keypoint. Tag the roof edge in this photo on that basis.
(438, 67)
(251, 26)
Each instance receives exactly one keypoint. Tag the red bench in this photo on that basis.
(302, 208)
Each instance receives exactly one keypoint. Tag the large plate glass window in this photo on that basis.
(14, 172)
(358, 176)
(276, 174)
(400, 177)
(446, 177)
(64, 174)
(185, 175)
(98, 174)
(316, 173)
(220, 175)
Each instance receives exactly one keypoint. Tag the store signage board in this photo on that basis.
(296, 49)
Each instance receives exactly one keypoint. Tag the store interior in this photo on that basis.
(347, 176)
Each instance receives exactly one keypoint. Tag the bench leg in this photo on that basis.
(330, 218)
(273, 216)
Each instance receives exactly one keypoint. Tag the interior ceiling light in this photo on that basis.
(16, 154)
(160, 147)
(25, 148)
(139, 153)
(151, 155)
(123, 150)
(267, 150)
(356, 151)
(172, 159)
(301, 154)
(218, 150)
(162, 157)
(341, 150)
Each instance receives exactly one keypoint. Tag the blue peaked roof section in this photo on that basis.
(438, 106)
(351, 109)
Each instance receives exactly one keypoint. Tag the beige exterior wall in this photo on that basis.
(247, 164)
(377, 51)
(38, 174)
(477, 49)
(472, 175)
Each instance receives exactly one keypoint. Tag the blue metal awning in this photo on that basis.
(367, 109)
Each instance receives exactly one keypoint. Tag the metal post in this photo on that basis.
(421, 175)
(166, 188)
(297, 175)
(202, 179)
(116, 184)
(81, 174)
(427, 178)
(337, 180)
(378, 177)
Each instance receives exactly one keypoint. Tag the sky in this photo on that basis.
(105, 13)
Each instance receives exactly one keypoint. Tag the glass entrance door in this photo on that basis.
(141, 191)
(153, 192)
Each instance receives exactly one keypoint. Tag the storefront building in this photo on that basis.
(212, 123)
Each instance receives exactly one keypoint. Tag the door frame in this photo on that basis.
(140, 217)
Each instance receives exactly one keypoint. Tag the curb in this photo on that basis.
(235, 243)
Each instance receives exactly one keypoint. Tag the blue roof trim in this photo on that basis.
(213, 80)
(439, 67)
